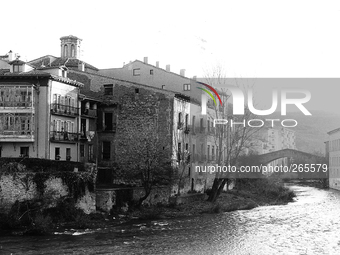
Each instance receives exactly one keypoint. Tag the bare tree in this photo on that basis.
(153, 162)
(232, 141)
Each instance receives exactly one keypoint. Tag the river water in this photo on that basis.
(311, 225)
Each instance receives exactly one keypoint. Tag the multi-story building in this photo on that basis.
(39, 114)
(334, 158)
(145, 73)
(203, 146)
(94, 114)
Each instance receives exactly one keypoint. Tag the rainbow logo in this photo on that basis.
(204, 99)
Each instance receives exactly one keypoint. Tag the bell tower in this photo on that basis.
(70, 47)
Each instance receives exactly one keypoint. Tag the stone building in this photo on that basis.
(333, 150)
(95, 116)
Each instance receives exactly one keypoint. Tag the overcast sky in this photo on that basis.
(248, 38)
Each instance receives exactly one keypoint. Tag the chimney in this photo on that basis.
(157, 64)
(168, 68)
(145, 60)
(81, 66)
(11, 56)
(182, 72)
(194, 78)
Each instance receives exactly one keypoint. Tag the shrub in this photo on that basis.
(64, 211)
(42, 224)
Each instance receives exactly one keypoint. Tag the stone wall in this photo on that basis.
(21, 187)
(107, 198)
(30, 179)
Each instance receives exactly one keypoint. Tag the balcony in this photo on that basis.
(61, 136)
(25, 104)
(60, 109)
(16, 136)
(89, 113)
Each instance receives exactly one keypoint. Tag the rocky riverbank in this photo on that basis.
(250, 194)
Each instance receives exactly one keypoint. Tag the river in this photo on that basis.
(311, 225)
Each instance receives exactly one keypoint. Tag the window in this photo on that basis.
(179, 125)
(90, 152)
(83, 127)
(186, 120)
(201, 124)
(137, 91)
(57, 153)
(186, 87)
(151, 72)
(193, 152)
(24, 151)
(106, 150)
(193, 123)
(108, 117)
(202, 152)
(82, 150)
(208, 154)
(73, 53)
(136, 72)
(65, 50)
(213, 152)
(108, 89)
(68, 154)
(163, 86)
(16, 68)
(179, 151)
(208, 125)
(186, 146)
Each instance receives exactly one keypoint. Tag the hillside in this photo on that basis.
(311, 131)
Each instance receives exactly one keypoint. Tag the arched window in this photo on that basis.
(65, 51)
(73, 51)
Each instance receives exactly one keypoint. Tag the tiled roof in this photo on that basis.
(3, 71)
(54, 61)
(39, 73)
(17, 62)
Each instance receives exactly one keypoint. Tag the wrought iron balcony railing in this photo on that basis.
(63, 136)
(89, 112)
(16, 132)
(24, 104)
(64, 109)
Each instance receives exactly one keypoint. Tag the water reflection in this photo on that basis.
(311, 225)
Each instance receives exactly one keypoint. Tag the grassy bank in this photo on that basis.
(248, 194)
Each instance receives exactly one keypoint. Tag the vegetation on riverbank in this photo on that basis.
(35, 217)
(250, 193)
(32, 217)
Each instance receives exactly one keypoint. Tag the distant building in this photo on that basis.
(274, 139)
(152, 75)
(333, 149)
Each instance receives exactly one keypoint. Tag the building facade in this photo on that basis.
(334, 158)
(74, 111)
(39, 115)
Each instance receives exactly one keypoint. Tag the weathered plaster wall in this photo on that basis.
(21, 187)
